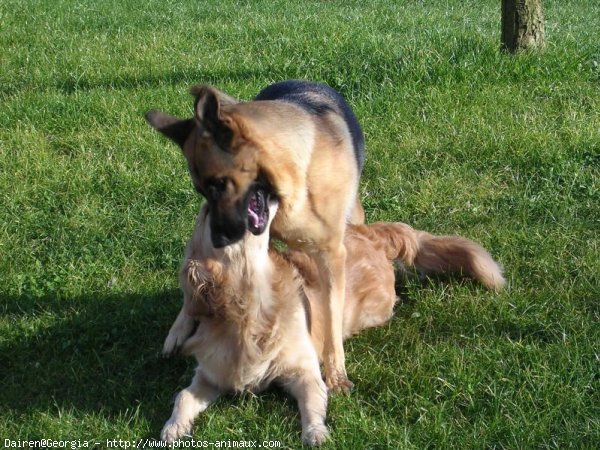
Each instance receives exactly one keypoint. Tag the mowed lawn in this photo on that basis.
(95, 209)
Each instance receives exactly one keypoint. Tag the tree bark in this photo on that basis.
(522, 25)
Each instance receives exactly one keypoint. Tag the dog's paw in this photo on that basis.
(173, 431)
(182, 329)
(315, 434)
(339, 383)
(172, 345)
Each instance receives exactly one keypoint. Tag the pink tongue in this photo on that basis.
(254, 217)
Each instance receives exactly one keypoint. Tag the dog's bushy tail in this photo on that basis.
(431, 254)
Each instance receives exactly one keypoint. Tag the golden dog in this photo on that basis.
(253, 315)
(302, 141)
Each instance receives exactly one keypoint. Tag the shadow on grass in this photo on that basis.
(102, 355)
(99, 355)
(92, 354)
(141, 80)
(145, 80)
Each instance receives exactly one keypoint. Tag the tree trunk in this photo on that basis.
(522, 25)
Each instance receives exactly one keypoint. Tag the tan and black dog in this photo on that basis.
(303, 143)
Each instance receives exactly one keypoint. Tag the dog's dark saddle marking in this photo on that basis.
(319, 99)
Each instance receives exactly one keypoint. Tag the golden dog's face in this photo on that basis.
(222, 163)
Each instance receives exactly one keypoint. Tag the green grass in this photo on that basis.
(96, 208)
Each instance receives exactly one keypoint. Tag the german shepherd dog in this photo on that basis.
(253, 316)
(303, 142)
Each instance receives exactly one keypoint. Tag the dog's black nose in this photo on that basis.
(227, 229)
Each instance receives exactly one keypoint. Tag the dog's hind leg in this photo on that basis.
(311, 394)
(188, 404)
(181, 329)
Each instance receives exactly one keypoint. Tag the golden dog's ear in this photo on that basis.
(205, 277)
(201, 273)
(209, 112)
(175, 129)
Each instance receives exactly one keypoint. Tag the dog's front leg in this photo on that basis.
(188, 404)
(181, 329)
(332, 265)
(311, 394)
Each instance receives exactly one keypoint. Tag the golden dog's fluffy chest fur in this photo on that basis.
(257, 330)
(228, 361)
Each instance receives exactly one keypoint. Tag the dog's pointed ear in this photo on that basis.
(175, 129)
(208, 110)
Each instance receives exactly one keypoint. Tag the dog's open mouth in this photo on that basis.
(258, 210)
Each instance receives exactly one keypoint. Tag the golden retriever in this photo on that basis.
(252, 315)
